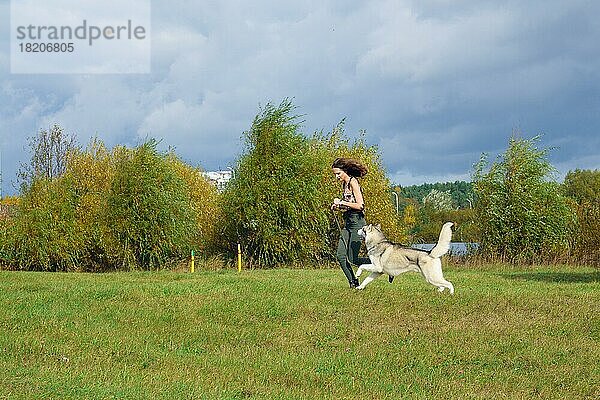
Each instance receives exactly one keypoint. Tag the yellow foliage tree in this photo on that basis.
(379, 207)
(205, 201)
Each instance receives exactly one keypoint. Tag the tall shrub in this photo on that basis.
(92, 171)
(205, 202)
(522, 215)
(44, 234)
(583, 187)
(278, 204)
(151, 218)
(379, 207)
(274, 202)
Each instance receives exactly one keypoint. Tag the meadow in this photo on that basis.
(300, 334)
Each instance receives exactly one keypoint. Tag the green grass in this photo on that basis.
(300, 334)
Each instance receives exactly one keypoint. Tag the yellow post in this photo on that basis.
(239, 257)
(192, 263)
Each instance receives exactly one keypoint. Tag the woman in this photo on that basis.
(352, 204)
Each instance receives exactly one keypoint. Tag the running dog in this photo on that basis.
(393, 259)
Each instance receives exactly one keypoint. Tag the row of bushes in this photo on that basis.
(521, 214)
(118, 209)
(138, 208)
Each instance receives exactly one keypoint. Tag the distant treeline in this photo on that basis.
(460, 191)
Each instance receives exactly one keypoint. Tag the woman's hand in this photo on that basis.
(336, 204)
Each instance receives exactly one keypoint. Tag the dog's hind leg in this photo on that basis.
(444, 284)
(432, 272)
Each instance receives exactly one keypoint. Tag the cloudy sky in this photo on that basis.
(434, 83)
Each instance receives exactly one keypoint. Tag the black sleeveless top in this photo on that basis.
(348, 195)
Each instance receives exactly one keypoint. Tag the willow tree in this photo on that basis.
(522, 215)
(277, 205)
(272, 202)
(583, 188)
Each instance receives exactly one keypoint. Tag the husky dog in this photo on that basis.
(394, 259)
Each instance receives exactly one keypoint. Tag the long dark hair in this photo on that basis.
(350, 166)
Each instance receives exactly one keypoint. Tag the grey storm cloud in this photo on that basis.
(434, 83)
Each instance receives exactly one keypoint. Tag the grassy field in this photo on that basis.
(300, 334)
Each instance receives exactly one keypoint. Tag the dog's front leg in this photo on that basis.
(365, 267)
(369, 279)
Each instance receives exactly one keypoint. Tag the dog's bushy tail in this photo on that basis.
(443, 244)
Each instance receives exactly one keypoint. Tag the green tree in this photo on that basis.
(522, 215)
(460, 191)
(379, 206)
(44, 234)
(152, 220)
(438, 200)
(274, 202)
(583, 187)
(278, 204)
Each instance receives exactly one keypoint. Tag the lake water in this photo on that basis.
(456, 248)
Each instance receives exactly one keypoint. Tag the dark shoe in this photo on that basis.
(354, 284)
(390, 278)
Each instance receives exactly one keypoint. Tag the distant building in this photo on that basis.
(219, 178)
